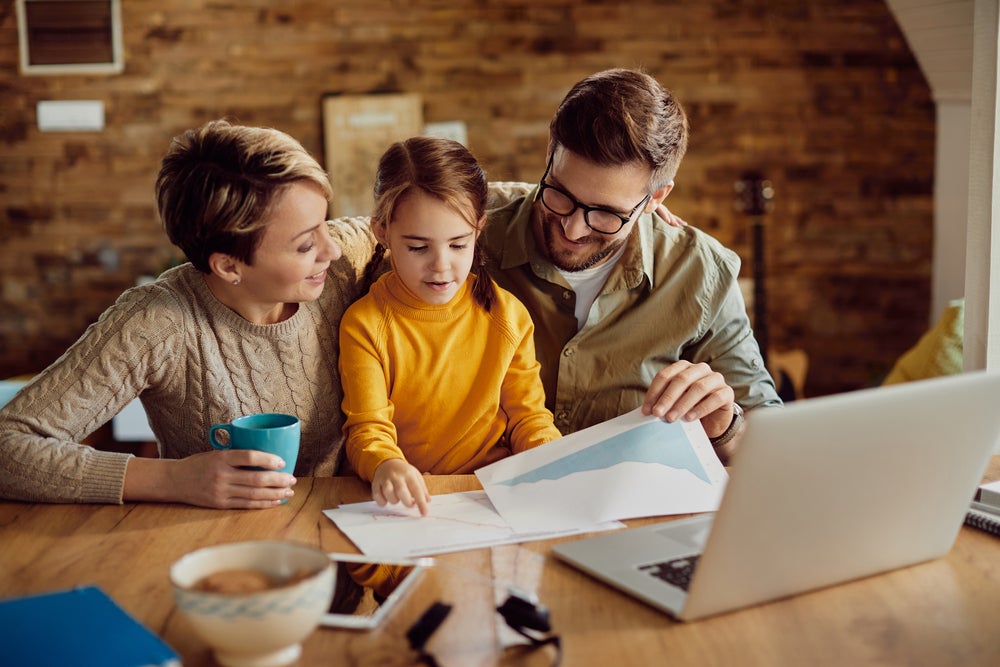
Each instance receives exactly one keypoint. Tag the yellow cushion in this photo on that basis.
(938, 352)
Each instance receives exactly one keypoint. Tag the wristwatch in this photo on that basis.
(734, 427)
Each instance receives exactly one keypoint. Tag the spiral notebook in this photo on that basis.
(984, 513)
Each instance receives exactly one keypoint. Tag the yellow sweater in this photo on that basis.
(448, 388)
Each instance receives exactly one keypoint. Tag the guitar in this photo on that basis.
(754, 198)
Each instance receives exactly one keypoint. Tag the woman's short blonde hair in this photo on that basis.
(217, 184)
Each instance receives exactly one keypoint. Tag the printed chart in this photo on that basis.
(631, 466)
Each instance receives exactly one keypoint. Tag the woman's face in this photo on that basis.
(432, 247)
(289, 265)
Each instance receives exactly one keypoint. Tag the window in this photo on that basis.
(70, 36)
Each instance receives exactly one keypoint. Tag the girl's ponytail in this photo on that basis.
(371, 272)
(483, 290)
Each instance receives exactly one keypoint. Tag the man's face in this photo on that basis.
(567, 241)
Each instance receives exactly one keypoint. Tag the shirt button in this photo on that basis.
(569, 351)
(562, 416)
(567, 295)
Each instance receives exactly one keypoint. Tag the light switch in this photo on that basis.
(70, 115)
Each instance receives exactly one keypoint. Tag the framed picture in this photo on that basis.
(356, 131)
(70, 36)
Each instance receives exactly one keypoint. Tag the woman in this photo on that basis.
(248, 325)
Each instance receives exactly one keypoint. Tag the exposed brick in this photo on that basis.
(824, 99)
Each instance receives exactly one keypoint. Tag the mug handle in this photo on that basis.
(215, 443)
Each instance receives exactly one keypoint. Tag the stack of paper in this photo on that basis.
(631, 466)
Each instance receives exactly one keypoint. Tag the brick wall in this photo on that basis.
(824, 98)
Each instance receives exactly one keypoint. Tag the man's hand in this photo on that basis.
(211, 479)
(396, 481)
(689, 391)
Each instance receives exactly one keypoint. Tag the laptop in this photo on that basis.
(822, 491)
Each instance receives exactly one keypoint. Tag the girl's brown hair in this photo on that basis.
(443, 169)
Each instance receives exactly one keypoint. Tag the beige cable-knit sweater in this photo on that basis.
(193, 363)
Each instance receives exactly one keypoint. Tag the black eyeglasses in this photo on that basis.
(563, 203)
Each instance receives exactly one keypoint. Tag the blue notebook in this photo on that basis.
(82, 627)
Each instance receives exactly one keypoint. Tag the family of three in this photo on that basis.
(436, 337)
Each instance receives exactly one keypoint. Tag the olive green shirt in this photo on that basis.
(673, 295)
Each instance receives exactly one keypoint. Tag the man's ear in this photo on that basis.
(225, 267)
(657, 197)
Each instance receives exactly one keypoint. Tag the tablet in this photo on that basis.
(367, 589)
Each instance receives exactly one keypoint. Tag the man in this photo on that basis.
(629, 311)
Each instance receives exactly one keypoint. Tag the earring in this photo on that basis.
(236, 282)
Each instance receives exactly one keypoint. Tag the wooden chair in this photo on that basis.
(789, 369)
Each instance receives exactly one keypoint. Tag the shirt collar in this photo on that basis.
(519, 245)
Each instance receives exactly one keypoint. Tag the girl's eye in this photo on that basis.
(416, 248)
(459, 246)
(307, 247)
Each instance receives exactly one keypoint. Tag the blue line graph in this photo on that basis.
(655, 442)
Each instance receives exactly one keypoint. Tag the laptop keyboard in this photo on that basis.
(676, 572)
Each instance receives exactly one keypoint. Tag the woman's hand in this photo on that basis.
(396, 481)
(211, 479)
(670, 217)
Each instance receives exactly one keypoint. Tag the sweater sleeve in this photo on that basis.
(41, 458)
(357, 243)
(522, 396)
(370, 433)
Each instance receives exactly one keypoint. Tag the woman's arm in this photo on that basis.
(41, 428)
(137, 345)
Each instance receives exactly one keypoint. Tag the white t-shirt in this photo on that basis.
(587, 285)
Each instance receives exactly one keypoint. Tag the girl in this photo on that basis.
(439, 373)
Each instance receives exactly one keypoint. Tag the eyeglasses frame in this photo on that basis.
(542, 185)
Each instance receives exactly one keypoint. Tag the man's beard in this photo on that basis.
(567, 262)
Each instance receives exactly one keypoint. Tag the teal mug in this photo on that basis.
(269, 432)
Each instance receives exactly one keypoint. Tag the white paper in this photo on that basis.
(628, 467)
(455, 522)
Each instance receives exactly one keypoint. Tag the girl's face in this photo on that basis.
(289, 265)
(431, 245)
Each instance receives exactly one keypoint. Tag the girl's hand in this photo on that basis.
(396, 481)
(211, 479)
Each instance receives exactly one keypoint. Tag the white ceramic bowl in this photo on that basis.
(263, 629)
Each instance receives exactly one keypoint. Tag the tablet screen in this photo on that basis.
(367, 589)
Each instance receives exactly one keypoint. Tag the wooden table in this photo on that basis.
(946, 612)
